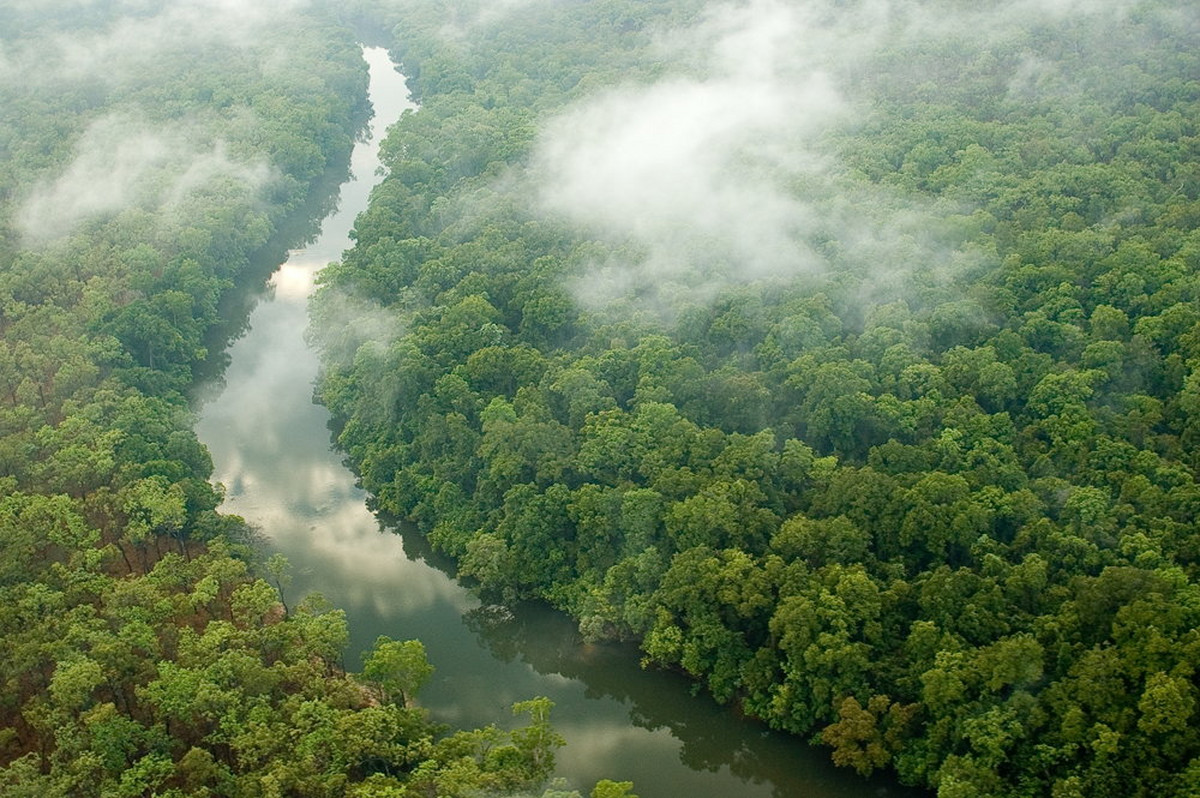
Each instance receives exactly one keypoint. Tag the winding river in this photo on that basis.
(271, 449)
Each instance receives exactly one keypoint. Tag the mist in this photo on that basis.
(141, 152)
(139, 36)
(717, 174)
(344, 324)
(125, 161)
(726, 170)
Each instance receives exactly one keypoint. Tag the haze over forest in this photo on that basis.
(843, 355)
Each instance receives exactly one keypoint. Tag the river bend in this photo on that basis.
(271, 449)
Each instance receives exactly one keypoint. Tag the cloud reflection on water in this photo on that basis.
(270, 446)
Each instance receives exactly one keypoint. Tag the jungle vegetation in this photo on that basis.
(152, 157)
(929, 498)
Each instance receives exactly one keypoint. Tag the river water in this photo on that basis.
(271, 449)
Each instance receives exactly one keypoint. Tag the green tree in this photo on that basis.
(397, 668)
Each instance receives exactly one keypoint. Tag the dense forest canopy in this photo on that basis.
(844, 354)
(154, 155)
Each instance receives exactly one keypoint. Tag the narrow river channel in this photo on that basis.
(271, 448)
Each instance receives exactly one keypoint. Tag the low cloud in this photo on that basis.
(496, 10)
(123, 161)
(707, 174)
(341, 325)
(725, 170)
(142, 33)
(131, 157)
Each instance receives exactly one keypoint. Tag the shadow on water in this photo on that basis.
(296, 230)
(416, 546)
(712, 737)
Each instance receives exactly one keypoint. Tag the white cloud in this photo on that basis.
(701, 167)
(133, 46)
(722, 171)
(124, 161)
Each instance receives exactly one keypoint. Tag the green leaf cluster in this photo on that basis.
(142, 655)
(948, 529)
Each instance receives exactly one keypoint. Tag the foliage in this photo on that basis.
(944, 521)
(142, 654)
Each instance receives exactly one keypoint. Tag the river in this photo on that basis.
(271, 449)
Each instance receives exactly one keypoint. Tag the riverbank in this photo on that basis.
(270, 446)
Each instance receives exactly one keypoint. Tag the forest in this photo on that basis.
(845, 355)
(157, 159)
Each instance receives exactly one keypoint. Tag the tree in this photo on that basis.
(613, 789)
(537, 741)
(866, 738)
(397, 668)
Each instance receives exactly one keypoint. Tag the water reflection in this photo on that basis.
(270, 443)
(707, 738)
(270, 447)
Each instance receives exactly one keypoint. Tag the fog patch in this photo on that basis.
(9, 66)
(496, 10)
(468, 16)
(132, 48)
(707, 177)
(1066, 9)
(61, 8)
(725, 172)
(344, 327)
(124, 161)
